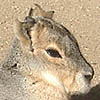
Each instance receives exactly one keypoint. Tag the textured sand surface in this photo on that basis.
(81, 17)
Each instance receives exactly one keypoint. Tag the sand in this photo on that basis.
(81, 17)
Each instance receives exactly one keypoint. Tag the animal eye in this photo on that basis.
(53, 53)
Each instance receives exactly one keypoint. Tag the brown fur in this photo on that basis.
(46, 77)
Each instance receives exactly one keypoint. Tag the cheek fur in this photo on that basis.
(52, 79)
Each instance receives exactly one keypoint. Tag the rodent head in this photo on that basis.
(57, 54)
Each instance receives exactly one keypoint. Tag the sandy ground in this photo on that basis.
(81, 17)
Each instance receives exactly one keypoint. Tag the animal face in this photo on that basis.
(57, 54)
(62, 60)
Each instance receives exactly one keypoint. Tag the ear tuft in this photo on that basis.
(40, 12)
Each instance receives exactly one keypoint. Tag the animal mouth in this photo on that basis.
(83, 84)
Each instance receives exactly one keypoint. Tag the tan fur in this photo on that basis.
(43, 13)
(54, 78)
(19, 32)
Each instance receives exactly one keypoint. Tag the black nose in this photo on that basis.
(89, 74)
(89, 77)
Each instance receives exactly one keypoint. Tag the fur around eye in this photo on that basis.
(53, 53)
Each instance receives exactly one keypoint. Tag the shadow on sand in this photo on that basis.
(94, 94)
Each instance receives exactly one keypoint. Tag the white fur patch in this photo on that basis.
(53, 80)
(84, 86)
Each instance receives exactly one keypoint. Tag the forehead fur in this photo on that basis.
(48, 31)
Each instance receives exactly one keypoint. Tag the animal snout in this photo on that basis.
(89, 73)
(89, 76)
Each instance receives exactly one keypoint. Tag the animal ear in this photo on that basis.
(21, 33)
(38, 11)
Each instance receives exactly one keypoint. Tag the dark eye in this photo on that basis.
(53, 53)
